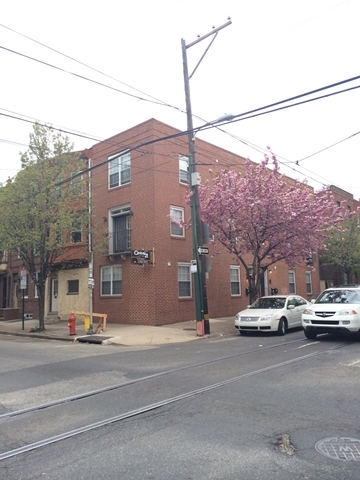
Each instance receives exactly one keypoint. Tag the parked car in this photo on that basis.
(272, 314)
(336, 310)
(313, 298)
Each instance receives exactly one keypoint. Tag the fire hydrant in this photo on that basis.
(71, 324)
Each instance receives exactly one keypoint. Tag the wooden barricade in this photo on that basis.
(101, 327)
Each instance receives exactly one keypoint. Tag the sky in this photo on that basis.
(109, 66)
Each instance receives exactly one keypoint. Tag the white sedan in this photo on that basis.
(276, 313)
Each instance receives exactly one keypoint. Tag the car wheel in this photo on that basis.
(310, 335)
(282, 327)
(242, 332)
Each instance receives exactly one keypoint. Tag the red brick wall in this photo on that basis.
(150, 292)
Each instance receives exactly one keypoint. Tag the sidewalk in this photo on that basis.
(126, 335)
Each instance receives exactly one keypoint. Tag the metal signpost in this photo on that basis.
(23, 285)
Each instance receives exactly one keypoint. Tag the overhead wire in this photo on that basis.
(160, 101)
(243, 116)
(235, 118)
(239, 117)
(92, 68)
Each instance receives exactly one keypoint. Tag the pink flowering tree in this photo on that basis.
(263, 215)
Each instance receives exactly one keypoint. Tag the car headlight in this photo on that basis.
(349, 311)
(308, 311)
(265, 318)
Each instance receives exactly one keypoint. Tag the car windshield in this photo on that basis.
(339, 296)
(273, 302)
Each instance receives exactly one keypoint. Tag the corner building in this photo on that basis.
(140, 181)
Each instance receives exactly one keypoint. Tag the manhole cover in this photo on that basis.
(339, 448)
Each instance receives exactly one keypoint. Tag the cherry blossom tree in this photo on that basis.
(266, 216)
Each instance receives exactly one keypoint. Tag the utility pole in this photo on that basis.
(201, 303)
(91, 262)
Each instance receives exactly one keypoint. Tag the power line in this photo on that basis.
(80, 76)
(90, 67)
(236, 118)
(166, 104)
(326, 148)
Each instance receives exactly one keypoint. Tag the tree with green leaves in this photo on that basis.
(40, 207)
(343, 249)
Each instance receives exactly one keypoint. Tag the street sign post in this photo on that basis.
(23, 285)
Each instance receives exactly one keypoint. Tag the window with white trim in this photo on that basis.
(120, 229)
(76, 232)
(308, 282)
(183, 169)
(119, 169)
(176, 217)
(184, 280)
(235, 280)
(292, 286)
(76, 182)
(111, 280)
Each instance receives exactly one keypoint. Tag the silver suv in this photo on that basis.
(336, 310)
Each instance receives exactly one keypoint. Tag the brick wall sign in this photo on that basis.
(140, 257)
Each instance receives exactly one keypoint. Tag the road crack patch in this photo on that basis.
(284, 444)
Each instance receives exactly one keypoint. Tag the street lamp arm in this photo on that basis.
(227, 117)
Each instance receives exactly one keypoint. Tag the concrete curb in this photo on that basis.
(38, 335)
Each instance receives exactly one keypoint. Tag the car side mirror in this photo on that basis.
(291, 307)
(312, 300)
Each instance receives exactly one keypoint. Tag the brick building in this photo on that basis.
(331, 275)
(139, 183)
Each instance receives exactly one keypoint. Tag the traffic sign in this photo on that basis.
(203, 250)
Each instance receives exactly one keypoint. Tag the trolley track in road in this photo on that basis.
(141, 379)
(153, 406)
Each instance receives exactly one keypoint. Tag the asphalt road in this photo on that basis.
(248, 408)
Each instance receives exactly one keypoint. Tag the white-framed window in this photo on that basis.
(184, 280)
(235, 286)
(111, 280)
(120, 229)
(76, 182)
(176, 217)
(119, 169)
(76, 232)
(308, 282)
(183, 169)
(292, 285)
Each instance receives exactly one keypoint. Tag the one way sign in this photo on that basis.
(203, 250)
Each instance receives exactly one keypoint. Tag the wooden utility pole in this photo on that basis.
(201, 303)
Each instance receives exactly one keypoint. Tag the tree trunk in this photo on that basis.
(253, 288)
